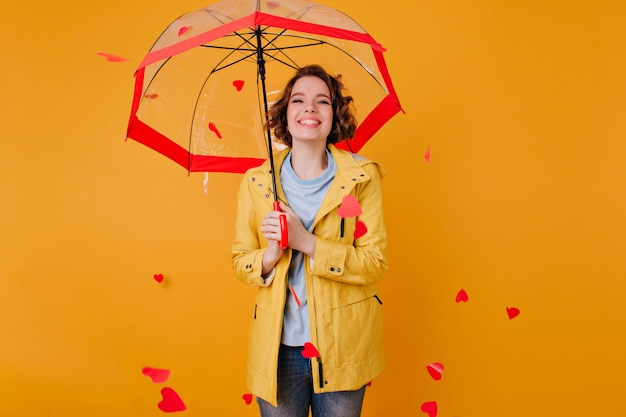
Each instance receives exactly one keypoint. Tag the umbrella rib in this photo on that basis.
(273, 51)
(228, 48)
(315, 42)
(219, 68)
(249, 52)
(216, 68)
(293, 64)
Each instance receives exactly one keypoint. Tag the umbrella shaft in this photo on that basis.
(261, 69)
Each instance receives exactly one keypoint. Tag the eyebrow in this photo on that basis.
(302, 94)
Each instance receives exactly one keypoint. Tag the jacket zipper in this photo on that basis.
(320, 371)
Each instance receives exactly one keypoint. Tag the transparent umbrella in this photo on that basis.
(203, 90)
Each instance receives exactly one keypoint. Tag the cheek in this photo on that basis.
(290, 119)
(332, 120)
(289, 124)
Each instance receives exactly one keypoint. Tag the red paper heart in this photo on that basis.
(247, 398)
(512, 312)
(183, 29)
(295, 296)
(430, 408)
(151, 96)
(238, 84)
(171, 402)
(435, 369)
(427, 154)
(360, 229)
(157, 375)
(350, 207)
(214, 129)
(158, 277)
(462, 296)
(111, 57)
(310, 351)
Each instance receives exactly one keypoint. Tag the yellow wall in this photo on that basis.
(522, 205)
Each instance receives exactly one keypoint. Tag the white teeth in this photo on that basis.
(308, 122)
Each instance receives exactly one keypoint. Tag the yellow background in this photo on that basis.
(522, 204)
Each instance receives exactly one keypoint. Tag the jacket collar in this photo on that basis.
(350, 172)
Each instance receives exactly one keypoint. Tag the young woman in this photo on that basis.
(316, 337)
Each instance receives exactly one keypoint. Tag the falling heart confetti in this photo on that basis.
(369, 384)
(295, 296)
(151, 96)
(430, 408)
(461, 296)
(273, 4)
(310, 351)
(359, 230)
(157, 375)
(158, 278)
(111, 57)
(435, 370)
(247, 398)
(350, 207)
(427, 154)
(512, 312)
(214, 130)
(171, 402)
(238, 84)
(183, 29)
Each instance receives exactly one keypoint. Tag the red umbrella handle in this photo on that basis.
(284, 231)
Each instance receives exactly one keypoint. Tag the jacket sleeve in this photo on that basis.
(247, 253)
(362, 261)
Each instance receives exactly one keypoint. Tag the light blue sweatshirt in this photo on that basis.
(304, 197)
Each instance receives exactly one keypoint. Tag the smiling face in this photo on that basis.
(310, 110)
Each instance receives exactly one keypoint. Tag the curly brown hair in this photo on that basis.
(344, 122)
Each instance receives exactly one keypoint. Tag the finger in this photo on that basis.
(284, 207)
(271, 225)
(272, 217)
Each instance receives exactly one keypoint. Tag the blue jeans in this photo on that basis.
(295, 391)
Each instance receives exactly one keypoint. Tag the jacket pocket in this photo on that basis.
(259, 340)
(358, 330)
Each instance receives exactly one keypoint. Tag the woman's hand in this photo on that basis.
(270, 227)
(300, 239)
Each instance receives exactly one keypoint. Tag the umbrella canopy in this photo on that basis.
(202, 92)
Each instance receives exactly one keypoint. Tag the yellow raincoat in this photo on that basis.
(345, 311)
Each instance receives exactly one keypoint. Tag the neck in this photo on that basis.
(309, 162)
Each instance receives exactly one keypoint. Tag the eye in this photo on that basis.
(324, 101)
(296, 100)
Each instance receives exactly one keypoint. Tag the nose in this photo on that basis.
(310, 108)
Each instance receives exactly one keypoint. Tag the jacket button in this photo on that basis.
(252, 179)
(260, 185)
(267, 196)
(338, 269)
(332, 269)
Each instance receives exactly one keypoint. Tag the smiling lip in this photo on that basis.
(309, 122)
